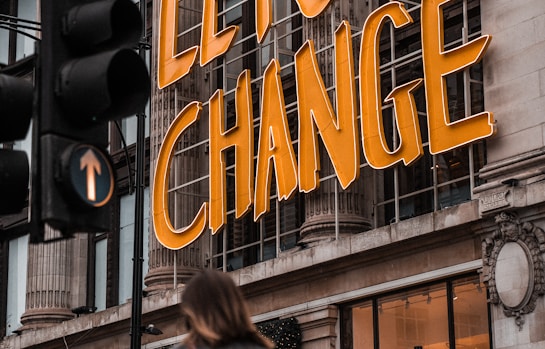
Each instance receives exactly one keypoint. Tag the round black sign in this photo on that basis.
(91, 175)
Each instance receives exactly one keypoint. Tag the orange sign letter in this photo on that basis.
(167, 235)
(338, 134)
(375, 146)
(241, 136)
(274, 145)
(214, 44)
(312, 8)
(438, 63)
(171, 66)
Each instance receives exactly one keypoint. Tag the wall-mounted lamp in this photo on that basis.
(512, 182)
(84, 309)
(151, 329)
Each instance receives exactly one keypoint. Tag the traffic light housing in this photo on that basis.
(89, 74)
(16, 98)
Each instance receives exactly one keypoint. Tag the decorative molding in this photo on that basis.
(494, 201)
(513, 244)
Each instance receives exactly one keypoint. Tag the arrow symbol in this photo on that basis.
(90, 162)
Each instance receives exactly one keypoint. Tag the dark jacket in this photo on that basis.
(238, 345)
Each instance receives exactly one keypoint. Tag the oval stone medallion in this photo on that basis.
(512, 275)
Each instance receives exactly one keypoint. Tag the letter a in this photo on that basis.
(274, 145)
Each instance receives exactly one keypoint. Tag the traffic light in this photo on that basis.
(16, 97)
(89, 74)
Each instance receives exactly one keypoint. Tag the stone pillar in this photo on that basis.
(168, 268)
(353, 214)
(320, 217)
(48, 283)
(318, 327)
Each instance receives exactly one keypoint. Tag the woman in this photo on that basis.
(217, 316)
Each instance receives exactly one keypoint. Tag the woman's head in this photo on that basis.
(216, 311)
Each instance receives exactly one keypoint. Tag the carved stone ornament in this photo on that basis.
(513, 267)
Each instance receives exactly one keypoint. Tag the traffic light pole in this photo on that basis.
(136, 318)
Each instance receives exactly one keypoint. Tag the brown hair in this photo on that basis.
(216, 312)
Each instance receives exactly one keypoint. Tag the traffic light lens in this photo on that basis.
(105, 86)
(129, 84)
(16, 97)
(14, 174)
(103, 25)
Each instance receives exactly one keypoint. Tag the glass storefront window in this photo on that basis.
(417, 318)
(443, 315)
(362, 322)
(470, 314)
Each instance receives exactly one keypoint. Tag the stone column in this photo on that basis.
(48, 283)
(320, 218)
(168, 268)
(318, 327)
(353, 212)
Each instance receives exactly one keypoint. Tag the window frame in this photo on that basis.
(346, 314)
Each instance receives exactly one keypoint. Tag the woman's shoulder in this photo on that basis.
(236, 345)
(243, 345)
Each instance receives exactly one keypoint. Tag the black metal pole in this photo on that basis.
(136, 317)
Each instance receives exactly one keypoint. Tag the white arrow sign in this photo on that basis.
(90, 162)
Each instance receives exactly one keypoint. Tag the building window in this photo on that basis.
(100, 270)
(449, 314)
(126, 243)
(16, 46)
(16, 285)
(434, 182)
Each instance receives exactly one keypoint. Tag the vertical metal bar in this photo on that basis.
(136, 315)
(467, 98)
(277, 231)
(175, 270)
(336, 209)
(376, 332)
(434, 166)
(224, 242)
(450, 315)
(397, 212)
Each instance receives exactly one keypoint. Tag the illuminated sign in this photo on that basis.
(315, 112)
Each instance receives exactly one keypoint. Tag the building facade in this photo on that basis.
(442, 248)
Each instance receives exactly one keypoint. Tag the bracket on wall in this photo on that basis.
(513, 267)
